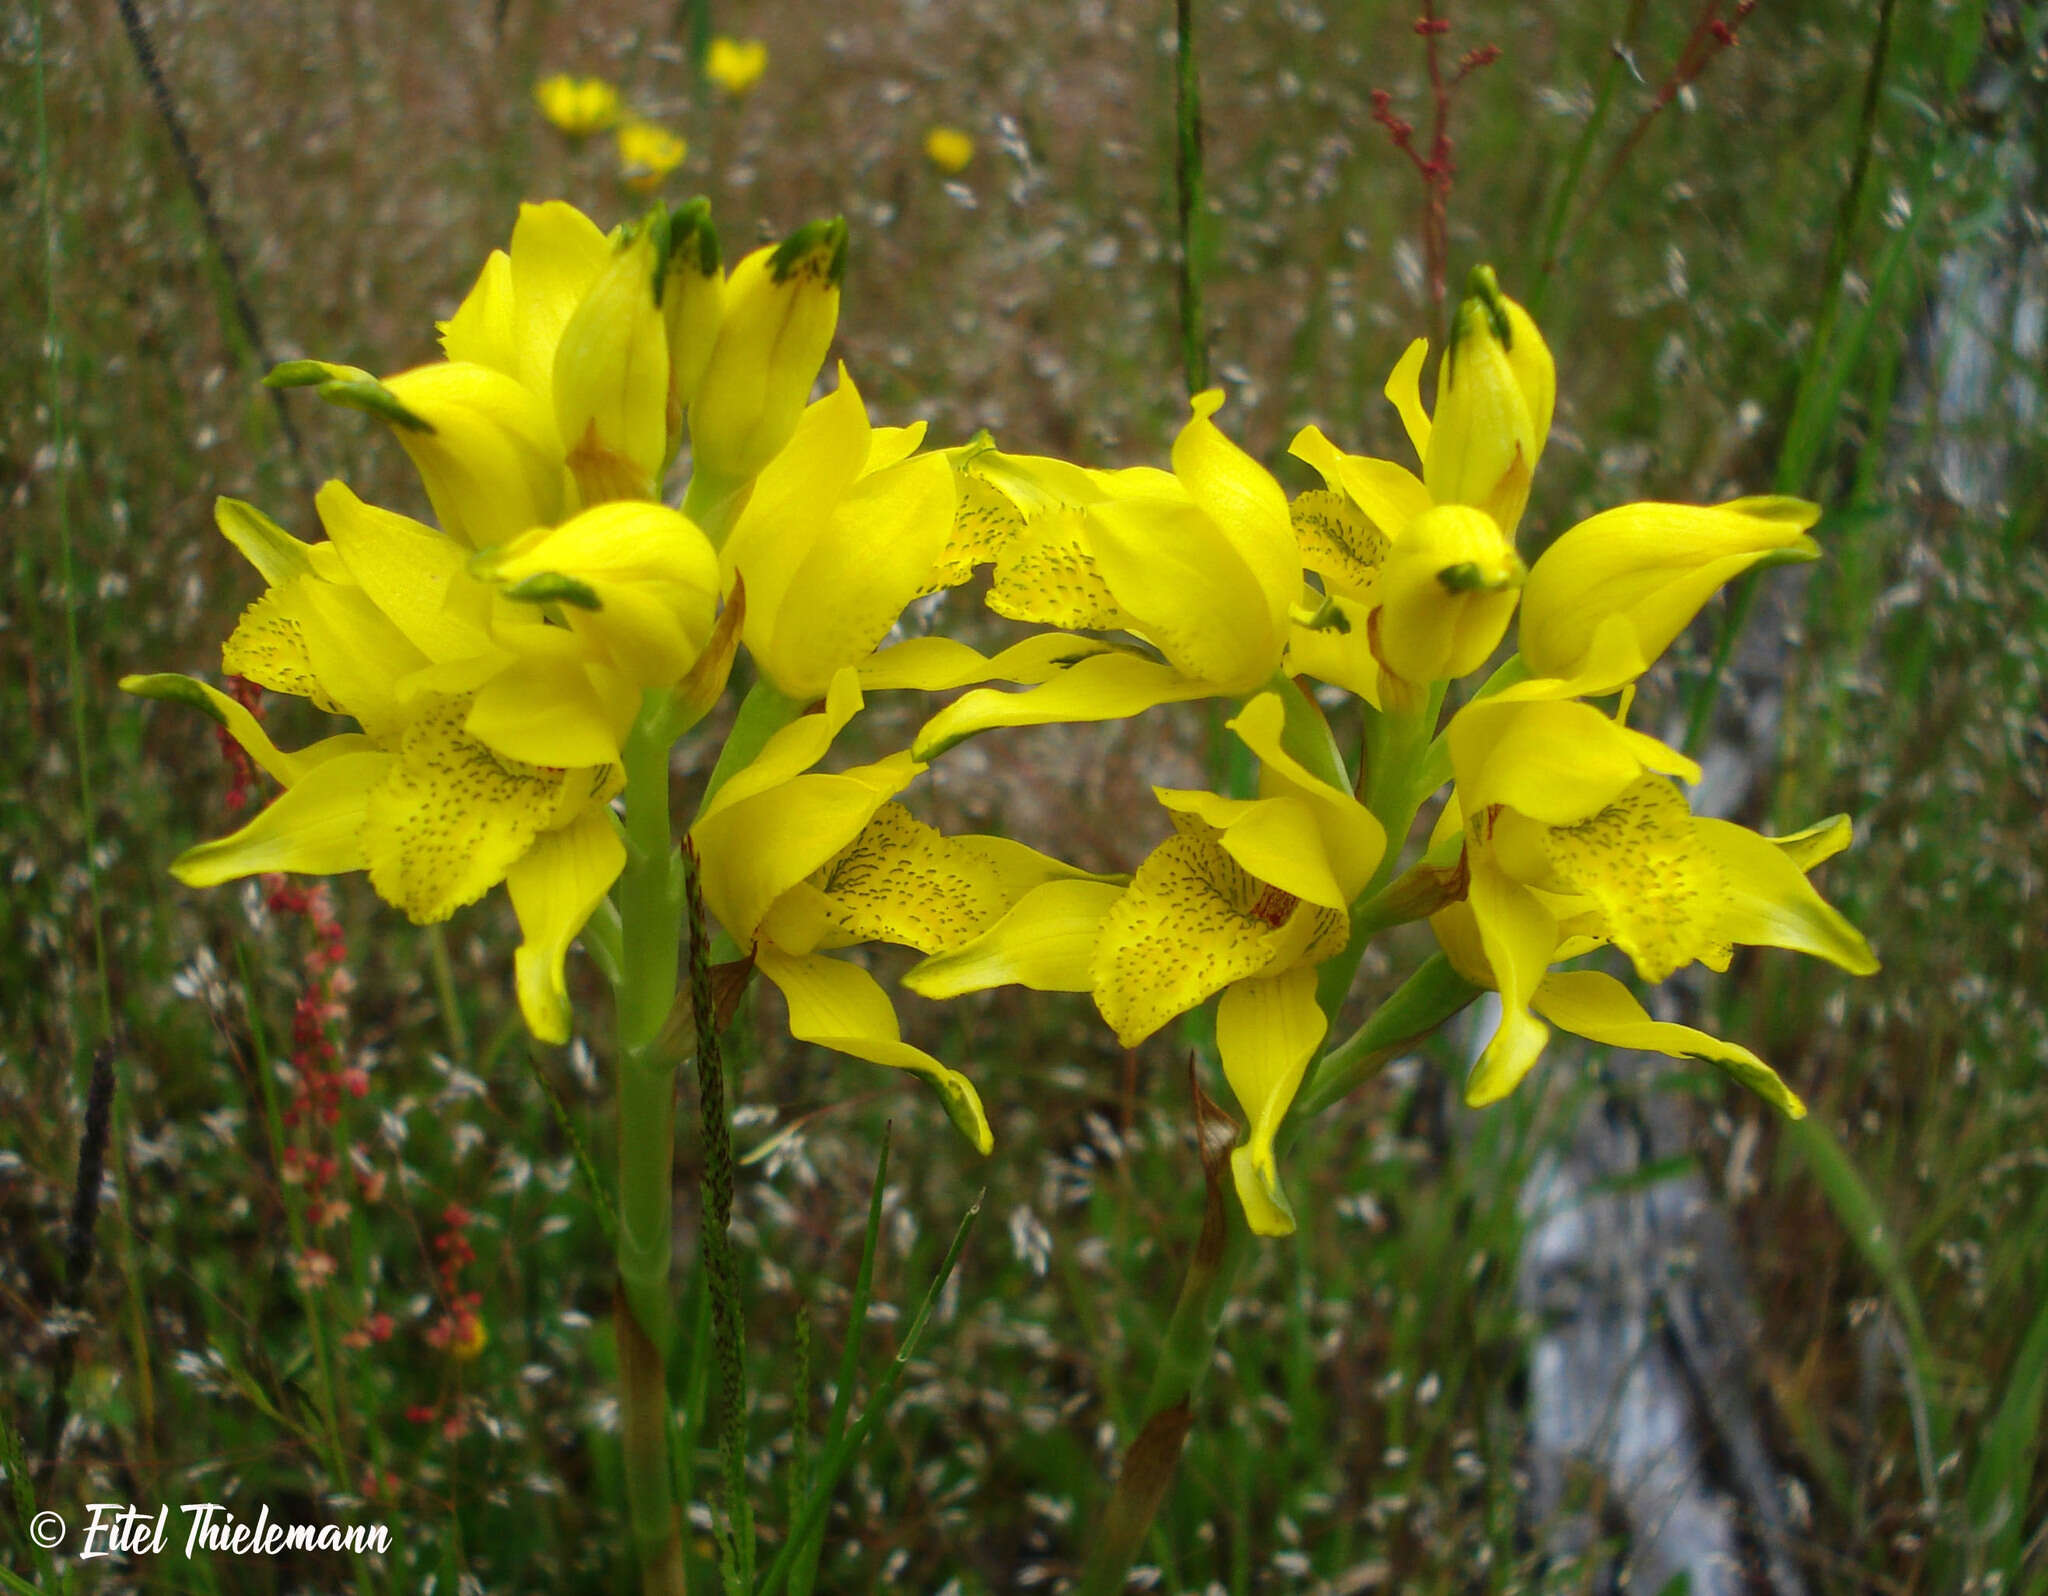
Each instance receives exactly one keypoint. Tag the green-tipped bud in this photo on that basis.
(611, 375)
(690, 288)
(1495, 395)
(781, 307)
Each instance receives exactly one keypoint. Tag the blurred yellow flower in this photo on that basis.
(578, 106)
(949, 149)
(736, 65)
(647, 154)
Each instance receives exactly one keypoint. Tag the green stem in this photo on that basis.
(1575, 166)
(1186, 1353)
(1187, 108)
(1418, 1006)
(650, 914)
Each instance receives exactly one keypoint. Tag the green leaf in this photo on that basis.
(2002, 1479)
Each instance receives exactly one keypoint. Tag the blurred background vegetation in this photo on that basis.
(1809, 271)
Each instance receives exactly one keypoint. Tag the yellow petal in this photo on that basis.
(451, 818)
(492, 463)
(1274, 839)
(1817, 843)
(1353, 841)
(1559, 763)
(1266, 1032)
(1404, 388)
(1389, 495)
(1644, 864)
(793, 748)
(1046, 942)
(1599, 1008)
(870, 559)
(548, 712)
(1770, 903)
(1446, 594)
(1518, 936)
(1186, 587)
(1343, 657)
(1046, 572)
(935, 664)
(244, 727)
(268, 647)
(1339, 543)
(781, 307)
(1112, 686)
(1654, 565)
(756, 847)
(315, 827)
(481, 332)
(277, 555)
(652, 572)
(407, 570)
(840, 1006)
(356, 655)
(1240, 496)
(903, 881)
(610, 379)
(555, 889)
(557, 253)
(787, 511)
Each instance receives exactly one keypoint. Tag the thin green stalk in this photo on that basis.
(650, 913)
(1818, 394)
(1575, 165)
(1187, 1350)
(1418, 1006)
(722, 1272)
(1188, 186)
(445, 994)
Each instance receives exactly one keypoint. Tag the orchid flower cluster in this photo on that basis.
(518, 675)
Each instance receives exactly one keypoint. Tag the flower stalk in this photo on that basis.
(650, 913)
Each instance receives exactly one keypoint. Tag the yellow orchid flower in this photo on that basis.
(1436, 607)
(382, 624)
(781, 307)
(578, 106)
(1201, 563)
(949, 149)
(1575, 836)
(1246, 898)
(636, 585)
(1608, 596)
(647, 154)
(735, 65)
(484, 428)
(798, 863)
